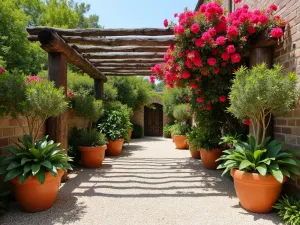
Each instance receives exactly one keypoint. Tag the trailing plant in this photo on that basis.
(115, 124)
(258, 93)
(182, 112)
(194, 137)
(31, 97)
(265, 159)
(36, 159)
(180, 129)
(289, 209)
(137, 130)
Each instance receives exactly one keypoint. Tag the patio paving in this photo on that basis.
(150, 183)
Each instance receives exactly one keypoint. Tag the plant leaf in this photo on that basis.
(262, 169)
(277, 174)
(35, 168)
(13, 173)
(41, 175)
(245, 163)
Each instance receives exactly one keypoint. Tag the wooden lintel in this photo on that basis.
(105, 32)
(99, 89)
(125, 56)
(51, 42)
(95, 49)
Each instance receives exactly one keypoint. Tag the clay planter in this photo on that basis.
(209, 158)
(36, 197)
(180, 141)
(194, 153)
(92, 157)
(114, 148)
(256, 192)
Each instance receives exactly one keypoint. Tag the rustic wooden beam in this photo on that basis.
(124, 56)
(105, 32)
(95, 49)
(127, 71)
(127, 65)
(135, 41)
(127, 74)
(122, 61)
(102, 69)
(51, 42)
(99, 89)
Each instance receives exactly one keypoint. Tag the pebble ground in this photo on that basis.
(150, 183)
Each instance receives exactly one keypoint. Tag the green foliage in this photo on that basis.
(208, 137)
(116, 105)
(88, 108)
(263, 159)
(194, 136)
(180, 129)
(80, 84)
(173, 97)
(135, 92)
(182, 112)
(259, 92)
(33, 159)
(289, 209)
(115, 124)
(167, 130)
(110, 93)
(137, 131)
(5, 197)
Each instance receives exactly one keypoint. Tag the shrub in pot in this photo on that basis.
(259, 167)
(259, 171)
(181, 113)
(115, 125)
(34, 167)
(193, 141)
(167, 130)
(137, 130)
(91, 143)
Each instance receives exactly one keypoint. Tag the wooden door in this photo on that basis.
(153, 119)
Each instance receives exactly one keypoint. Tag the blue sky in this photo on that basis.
(137, 13)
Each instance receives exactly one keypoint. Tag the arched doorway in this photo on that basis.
(153, 120)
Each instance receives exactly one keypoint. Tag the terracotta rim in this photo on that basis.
(92, 148)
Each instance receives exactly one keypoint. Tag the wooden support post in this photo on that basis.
(99, 89)
(57, 127)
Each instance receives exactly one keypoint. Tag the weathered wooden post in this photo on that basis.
(99, 89)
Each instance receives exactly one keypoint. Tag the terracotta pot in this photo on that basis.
(256, 193)
(114, 148)
(194, 152)
(92, 157)
(209, 158)
(130, 134)
(36, 197)
(180, 141)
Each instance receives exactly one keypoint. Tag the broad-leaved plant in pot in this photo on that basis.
(260, 167)
(193, 140)
(33, 165)
(115, 125)
(91, 143)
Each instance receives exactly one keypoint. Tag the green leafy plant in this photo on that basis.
(259, 92)
(208, 137)
(182, 112)
(33, 159)
(263, 159)
(167, 130)
(180, 129)
(115, 124)
(289, 209)
(137, 131)
(229, 140)
(194, 136)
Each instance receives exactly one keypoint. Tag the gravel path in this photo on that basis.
(150, 183)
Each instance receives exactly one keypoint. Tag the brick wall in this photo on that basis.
(287, 53)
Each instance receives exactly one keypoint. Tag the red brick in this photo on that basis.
(7, 132)
(281, 122)
(286, 130)
(280, 137)
(19, 131)
(3, 142)
(4, 122)
(296, 131)
(291, 139)
(277, 129)
(291, 122)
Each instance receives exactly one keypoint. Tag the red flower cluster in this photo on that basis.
(32, 79)
(152, 79)
(208, 49)
(2, 70)
(70, 94)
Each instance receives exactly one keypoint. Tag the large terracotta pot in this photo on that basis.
(36, 197)
(92, 157)
(209, 158)
(114, 148)
(180, 141)
(256, 193)
(194, 152)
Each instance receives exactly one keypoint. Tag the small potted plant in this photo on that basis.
(193, 141)
(115, 124)
(167, 130)
(260, 167)
(181, 113)
(92, 144)
(34, 167)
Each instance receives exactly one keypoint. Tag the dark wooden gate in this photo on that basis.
(153, 121)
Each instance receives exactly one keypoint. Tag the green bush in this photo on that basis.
(289, 209)
(137, 131)
(180, 129)
(194, 137)
(80, 84)
(115, 124)
(167, 130)
(182, 112)
(259, 92)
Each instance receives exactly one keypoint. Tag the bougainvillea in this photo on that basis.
(209, 48)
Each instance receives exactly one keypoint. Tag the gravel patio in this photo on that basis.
(150, 183)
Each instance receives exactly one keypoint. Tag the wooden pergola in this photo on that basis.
(99, 53)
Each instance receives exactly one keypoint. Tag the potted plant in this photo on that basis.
(259, 170)
(181, 113)
(193, 141)
(92, 144)
(34, 167)
(259, 167)
(115, 125)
